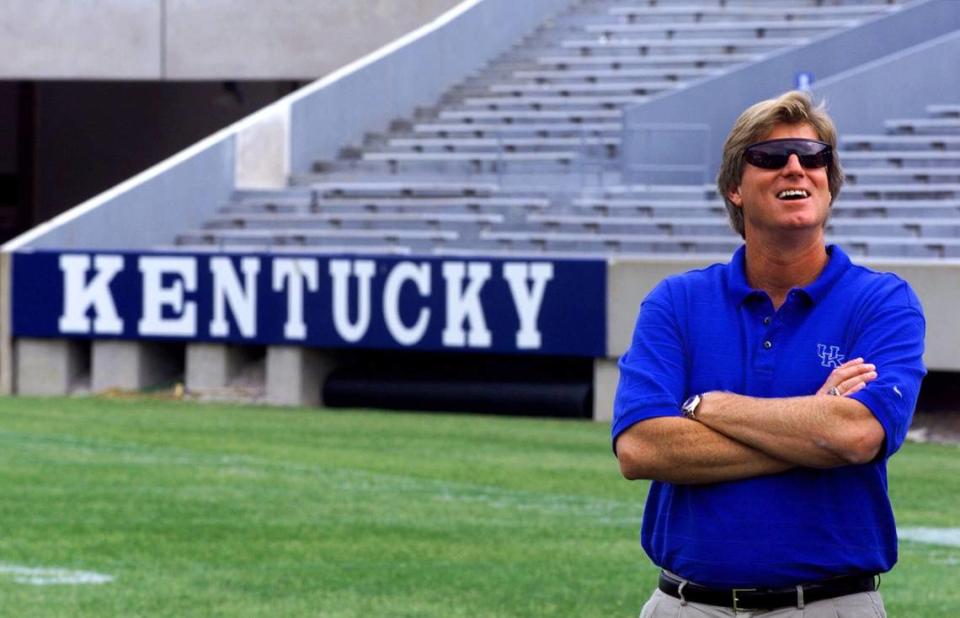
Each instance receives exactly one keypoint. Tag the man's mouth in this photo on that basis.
(792, 194)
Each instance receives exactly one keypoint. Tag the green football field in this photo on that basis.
(142, 507)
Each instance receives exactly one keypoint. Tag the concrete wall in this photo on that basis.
(860, 100)
(147, 210)
(53, 39)
(717, 101)
(936, 283)
(185, 39)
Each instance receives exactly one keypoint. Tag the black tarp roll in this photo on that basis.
(513, 397)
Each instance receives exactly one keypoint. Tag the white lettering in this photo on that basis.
(526, 300)
(463, 304)
(340, 270)
(242, 300)
(420, 276)
(156, 297)
(79, 295)
(291, 273)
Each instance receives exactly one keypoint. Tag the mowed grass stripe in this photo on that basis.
(380, 513)
(210, 510)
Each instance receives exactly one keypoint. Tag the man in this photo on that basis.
(764, 396)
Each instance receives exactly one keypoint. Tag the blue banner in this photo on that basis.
(555, 307)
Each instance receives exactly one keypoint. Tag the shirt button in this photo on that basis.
(766, 320)
(767, 345)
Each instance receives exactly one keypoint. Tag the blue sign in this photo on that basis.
(555, 307)
(803, 80)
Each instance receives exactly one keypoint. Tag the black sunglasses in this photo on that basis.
(774, 153)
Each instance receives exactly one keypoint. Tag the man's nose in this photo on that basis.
(793, 164)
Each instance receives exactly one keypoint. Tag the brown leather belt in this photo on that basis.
(766, 598)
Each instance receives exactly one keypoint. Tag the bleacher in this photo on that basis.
(523, 157)
(901, 199)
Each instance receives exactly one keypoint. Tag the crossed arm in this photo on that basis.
(737, 437)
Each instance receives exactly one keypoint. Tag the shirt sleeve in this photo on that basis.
(653, 370)
(892, 339)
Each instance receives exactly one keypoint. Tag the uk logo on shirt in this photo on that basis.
(830, 356)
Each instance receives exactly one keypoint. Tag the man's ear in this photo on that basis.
(734, 196)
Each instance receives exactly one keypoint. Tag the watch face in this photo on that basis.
(690, 405)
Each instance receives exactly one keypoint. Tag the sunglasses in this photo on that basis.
(773, 154)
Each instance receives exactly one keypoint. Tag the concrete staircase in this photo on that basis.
(524, 155)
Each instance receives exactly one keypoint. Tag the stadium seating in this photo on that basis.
(523, 156)
(901, 199)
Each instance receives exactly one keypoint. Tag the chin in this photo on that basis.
(804, 225)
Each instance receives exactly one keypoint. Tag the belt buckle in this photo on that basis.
(736, 601)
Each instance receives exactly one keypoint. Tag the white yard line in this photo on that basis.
(41, 576)
(933, 536)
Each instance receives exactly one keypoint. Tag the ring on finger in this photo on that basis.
(834, 391)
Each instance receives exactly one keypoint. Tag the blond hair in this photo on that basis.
(794, 107)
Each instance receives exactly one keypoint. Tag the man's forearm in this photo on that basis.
(817, 431)
(678, 450)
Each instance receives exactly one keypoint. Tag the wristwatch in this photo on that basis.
(689, 407)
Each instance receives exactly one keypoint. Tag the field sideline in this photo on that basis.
(218, 510)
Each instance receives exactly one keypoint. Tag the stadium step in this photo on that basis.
(506, 116)
(898, 157)
(651, 45)
(377, 189)
(943, 110)
(861, 142)
(546, 130)
(912, 125)
(897, 173)
(582, 89)
(353, 220)
(560, 100)
(389, 205)
(702, 11)
(608, 76)
(226, 238)
(688, 60)
(507, 143)
(268, 246)
(547, 113)
(751, 28)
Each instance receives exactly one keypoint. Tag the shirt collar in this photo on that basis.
(740, 290)
(837, 264)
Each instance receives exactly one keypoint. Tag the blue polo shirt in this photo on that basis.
(708, 330)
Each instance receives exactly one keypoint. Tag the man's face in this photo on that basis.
(761, 192)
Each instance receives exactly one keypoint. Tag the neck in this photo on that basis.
(778, 267)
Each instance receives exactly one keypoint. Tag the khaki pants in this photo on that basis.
(861, 605)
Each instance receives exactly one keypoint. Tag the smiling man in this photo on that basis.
(764, 396)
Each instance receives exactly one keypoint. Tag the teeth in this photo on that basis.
(792, 193)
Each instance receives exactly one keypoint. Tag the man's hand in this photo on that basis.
(849, 378)
(677, 450)
(816, 431)
(741, 437)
